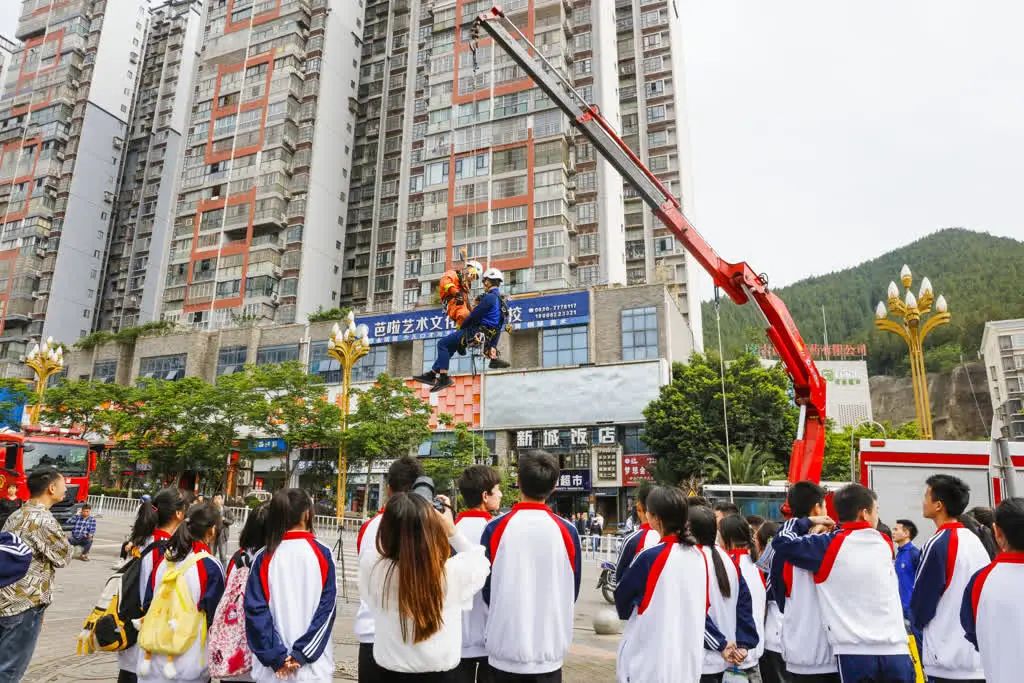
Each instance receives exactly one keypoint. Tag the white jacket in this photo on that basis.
(471, 524)
(992, 617)
(366, 551)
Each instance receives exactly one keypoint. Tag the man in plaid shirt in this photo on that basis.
(83, 530)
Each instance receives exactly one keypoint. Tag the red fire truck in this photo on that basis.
(38, 446)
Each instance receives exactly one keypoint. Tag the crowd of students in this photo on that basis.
(706, 595)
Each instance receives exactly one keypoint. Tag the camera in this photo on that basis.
(424, 488)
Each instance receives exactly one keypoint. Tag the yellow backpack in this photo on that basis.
(173, 621)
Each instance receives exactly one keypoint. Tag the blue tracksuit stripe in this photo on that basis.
(311, 645)
(930, 583)
(265, 643)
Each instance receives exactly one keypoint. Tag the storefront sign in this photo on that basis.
(267, 445)
(635, 469)
(607, 464)
(554, 439)
(541, 311)
(576, 481)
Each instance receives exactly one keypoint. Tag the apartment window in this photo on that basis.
(655, 88)
(653, 64)
(371, 365)
(586, 182)
(105, 371)
(640, 333)
(437, 173)
(658, 138)
(633, 440)
(588, 244)
(163, 367)
(582, 66)
(321, 364)
(564, 346)
(460, 365)
(652, 40)
(656, 113)
(281, 353)
(659, 163)
(588, 275)
(582, 41)
(230, 359)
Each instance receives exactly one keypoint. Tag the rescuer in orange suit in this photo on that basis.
(454, 290)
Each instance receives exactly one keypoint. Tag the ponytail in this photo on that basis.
(983, 533)
(668, 504)
(736, 533)
(155, 514)
(286, 510)
(198, 522)
(702, 525)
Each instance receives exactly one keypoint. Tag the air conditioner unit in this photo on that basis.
(40, 252)
(274, 298)
(244, 477)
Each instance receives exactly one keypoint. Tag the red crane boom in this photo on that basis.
(738, 280)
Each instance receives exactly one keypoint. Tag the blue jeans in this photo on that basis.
(876, 669)
(447, 347)
(18, 635)
(85, 543)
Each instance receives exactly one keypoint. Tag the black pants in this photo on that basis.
(773, 668)
(432, 677)
(711, 678)
(933, 679)
(505, 677)
(369, 671)
(474, 670)
(815, 678)
(126, 677)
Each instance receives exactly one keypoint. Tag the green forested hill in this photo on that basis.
(982, 277)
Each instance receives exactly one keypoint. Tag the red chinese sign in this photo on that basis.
(635, 469)
(817, 351)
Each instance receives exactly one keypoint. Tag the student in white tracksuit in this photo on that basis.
(738, 540)
(949, 560)
(771, 666)
(290, 596)
(991, 613)
(730, 602)
(480, 488)
(664, 595)
(402, 474)
(154, 524)
(536, 565)
(206, 584)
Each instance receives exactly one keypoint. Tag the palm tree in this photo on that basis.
(750, 465)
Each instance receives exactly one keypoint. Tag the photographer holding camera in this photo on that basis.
(417, 590)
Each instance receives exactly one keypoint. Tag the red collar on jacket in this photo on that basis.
(530, 506)
(951, 525)
(1013, 556)
(200, 547)
(479, 514)
(854, 526)
(290, 535)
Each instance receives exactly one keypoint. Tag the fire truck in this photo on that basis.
(38, 446)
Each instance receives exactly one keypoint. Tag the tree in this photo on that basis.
(749, 466)
(836, 466)
(286, 402)
(98, 408)
(685, 422)
(456, 453)
(390, 418)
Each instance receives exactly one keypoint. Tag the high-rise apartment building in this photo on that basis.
(63, 120)
(153, 150)
(259, 221)
(458, 154)
(1002, 346)
(7, 49)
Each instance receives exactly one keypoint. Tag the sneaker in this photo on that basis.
(84, 558)
(499, 364)
(429, 377)
(443, 382)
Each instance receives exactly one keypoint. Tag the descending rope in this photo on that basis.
(725, 404)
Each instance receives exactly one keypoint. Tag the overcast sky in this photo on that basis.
(825, 133)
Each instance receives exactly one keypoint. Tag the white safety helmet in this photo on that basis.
(494, 275)
(475, 267)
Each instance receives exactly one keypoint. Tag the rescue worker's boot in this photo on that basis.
(443, 382)
(429, 377)
(499, 364)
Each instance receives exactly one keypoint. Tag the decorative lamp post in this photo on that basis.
(346, 345)
(45, 361)
(912, 327)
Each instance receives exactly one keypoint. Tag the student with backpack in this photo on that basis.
(188, 585)
(228, 650)
(290, 596)
(991, 613)
(155, 522)
(730, 605)
(664, 595)
(738, 541)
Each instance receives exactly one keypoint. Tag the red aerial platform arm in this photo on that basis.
(738, 280)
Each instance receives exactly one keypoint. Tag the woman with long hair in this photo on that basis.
(772, 666)
(291, 594)
(731, 607)
(663, 594)
(158, 517)
(738, 540)
(206, 582)
(418, 590)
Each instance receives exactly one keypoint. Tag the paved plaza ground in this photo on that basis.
(591, 659)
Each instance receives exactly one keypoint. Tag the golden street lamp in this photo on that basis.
(45, 361)
(912, 327)
(346, 346)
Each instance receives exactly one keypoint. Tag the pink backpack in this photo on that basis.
(227, 649)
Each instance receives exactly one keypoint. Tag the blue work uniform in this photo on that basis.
(908, 559)
(485, 316)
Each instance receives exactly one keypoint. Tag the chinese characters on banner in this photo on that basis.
(817, 351)
(574, 437)
(635, 469)
(577, 481)
(608, 464)
(533, 312)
